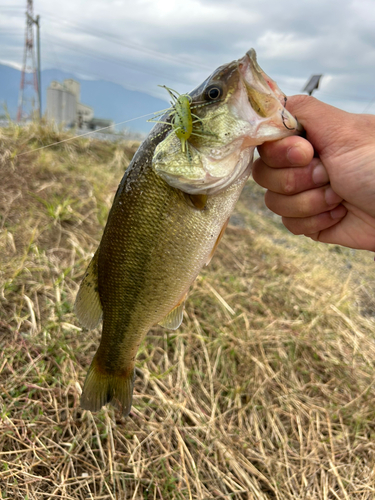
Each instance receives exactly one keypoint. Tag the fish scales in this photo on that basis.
(162, 256)
(169, 213)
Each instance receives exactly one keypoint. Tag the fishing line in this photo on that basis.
(155, 114)
(103, 128)
(83, 135)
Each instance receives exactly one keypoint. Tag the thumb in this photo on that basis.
(323, 123)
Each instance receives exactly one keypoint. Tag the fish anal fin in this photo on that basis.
(174, 319)
(101, 388)
(221, 234)
(87, 306)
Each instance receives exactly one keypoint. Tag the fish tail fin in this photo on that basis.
(101, 388)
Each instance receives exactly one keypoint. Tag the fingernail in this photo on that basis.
(296, 154)
(338, 212)
(320, 174)
(331, 197)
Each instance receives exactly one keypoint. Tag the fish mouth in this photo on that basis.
(264, 95)
(251, 113)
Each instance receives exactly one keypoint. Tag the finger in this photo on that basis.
(320, 120)
(305, 204)
(290, 181)
(311, 226)
(288, 152)
(355, 230)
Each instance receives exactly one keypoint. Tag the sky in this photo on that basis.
(141, 44)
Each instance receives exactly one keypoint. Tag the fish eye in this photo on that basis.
(213, 92)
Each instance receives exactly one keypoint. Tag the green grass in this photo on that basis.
(265, 392)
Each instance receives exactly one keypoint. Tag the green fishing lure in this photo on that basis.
(183, 120)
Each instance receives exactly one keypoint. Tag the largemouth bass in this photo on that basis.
(169, 213)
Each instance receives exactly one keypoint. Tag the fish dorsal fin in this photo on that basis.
(221, 234)
(174, 319)
(88, 307)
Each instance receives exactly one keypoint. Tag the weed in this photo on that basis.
(266, 391)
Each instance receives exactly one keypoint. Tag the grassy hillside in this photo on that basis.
(265, 392)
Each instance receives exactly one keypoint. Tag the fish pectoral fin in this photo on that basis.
(87, 306)
(199, 201)
(101, 388)
(174, 319)
(221, 234)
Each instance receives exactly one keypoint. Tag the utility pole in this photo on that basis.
(37, 22)
(30, 86)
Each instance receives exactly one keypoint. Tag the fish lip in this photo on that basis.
(257, 82)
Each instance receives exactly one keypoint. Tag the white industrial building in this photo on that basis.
(64, 106)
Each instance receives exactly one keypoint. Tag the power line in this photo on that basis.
(12, 34)
(71, 67)
(368, 105)
(345, 97)
(11, 7)
(120, 41)
(115, 39)
(142, 69)
(116, 61)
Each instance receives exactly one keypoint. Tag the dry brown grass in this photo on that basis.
(265, 392)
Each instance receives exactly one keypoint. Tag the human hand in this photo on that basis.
(329, 197)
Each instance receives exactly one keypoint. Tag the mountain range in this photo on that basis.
(109, 100)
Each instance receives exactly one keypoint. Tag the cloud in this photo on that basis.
(143, 43)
